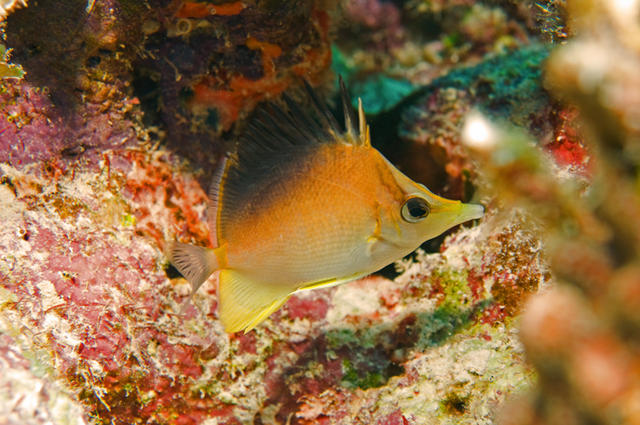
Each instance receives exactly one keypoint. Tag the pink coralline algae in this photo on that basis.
(567, 146)
(72, 275)
(33, 130)
(380, 19)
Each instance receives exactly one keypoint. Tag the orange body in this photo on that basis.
(314, 224)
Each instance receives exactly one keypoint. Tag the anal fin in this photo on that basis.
(244, 302)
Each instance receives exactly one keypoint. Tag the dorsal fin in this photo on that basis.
(274, 145)
(214, 201)
(325, 115)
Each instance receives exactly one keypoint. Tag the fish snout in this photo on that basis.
(470, 212)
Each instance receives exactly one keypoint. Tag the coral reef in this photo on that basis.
(421, 40)
(192, 67)
(507, 86)
(116, 342)
(582, 335)
(107, 145)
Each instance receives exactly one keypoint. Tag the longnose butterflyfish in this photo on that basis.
(302, 204)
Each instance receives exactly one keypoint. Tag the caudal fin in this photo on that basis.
(195, 263)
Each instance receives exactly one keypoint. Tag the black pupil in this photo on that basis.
(417, 208)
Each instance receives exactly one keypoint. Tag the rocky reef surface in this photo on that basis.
(114, 113)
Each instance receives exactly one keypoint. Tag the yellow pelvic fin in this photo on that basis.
(244, 303)
(330, 282)
(321, 284)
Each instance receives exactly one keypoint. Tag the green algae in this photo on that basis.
(453, 41)
(353, 377)
(372, 355)
(436, 327)
(364, 338)
(379, 92)
(8, 70)
(456, 290)
(365, 355)
(506, 85)
(455, 310)
(128, 220)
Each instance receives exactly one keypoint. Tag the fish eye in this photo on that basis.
(414, 209)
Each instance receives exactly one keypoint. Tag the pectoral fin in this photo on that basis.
(244, 302)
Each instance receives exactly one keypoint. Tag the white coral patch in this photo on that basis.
(48, 295)
(358, 298)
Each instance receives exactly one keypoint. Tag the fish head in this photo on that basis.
(417, 214)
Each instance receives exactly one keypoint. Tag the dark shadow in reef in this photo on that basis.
(366, 357)
(48, 40)
(385, 129)
(162, 82)
(203, 64)
(76, 64)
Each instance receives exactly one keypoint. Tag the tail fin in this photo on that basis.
(195, 263)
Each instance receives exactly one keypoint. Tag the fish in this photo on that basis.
(302, 204)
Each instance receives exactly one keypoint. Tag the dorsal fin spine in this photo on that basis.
(349, 117)
(364, 128)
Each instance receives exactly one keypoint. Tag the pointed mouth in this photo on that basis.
(470, 212)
